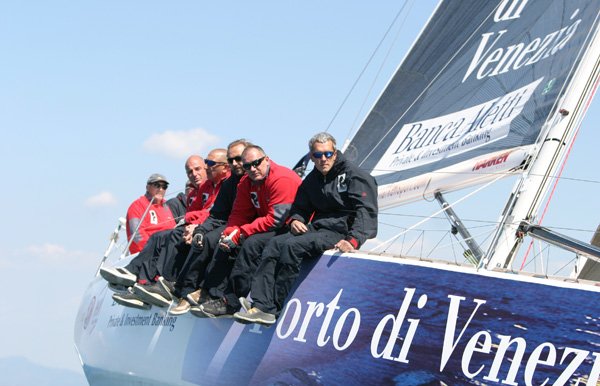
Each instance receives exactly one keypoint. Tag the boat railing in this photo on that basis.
(441, 242)
(114, 238)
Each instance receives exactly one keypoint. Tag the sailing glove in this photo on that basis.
(230, 238)
(198, 241)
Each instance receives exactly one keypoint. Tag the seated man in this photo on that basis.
(155, 261)
(336, 207)
(195, 170)
(149, 213)
(196, 173)
(261, 206)
(205, 237)
(182, 201)
(154, 284)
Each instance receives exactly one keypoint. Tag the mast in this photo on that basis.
(532, 187)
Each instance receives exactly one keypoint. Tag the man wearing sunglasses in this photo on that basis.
(336, 207)
(154, 284)
(149, 213)
(217, 170)
(206, 236)
(151, 272)
(260, 209)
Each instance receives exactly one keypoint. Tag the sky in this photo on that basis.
(98, 95)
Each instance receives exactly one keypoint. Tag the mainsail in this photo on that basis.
(474, 95)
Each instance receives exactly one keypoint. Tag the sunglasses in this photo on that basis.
(210, 163)
(255, 163)
(319, 154)
(160, 185)
(236, 159)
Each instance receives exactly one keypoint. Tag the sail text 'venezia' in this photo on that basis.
(493, 58)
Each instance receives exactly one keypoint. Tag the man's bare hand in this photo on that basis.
(344, 246)
(188, 233)
(298, 227)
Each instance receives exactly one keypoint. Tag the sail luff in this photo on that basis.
(540, 174)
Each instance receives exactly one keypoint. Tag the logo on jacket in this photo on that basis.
(153, 217)
(254, 199)
(205, 198)
(342, 185)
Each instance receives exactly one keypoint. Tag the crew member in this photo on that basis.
(336, 207)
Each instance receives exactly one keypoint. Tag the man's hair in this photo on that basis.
(241, 141)
(321, 138)
(260, 149)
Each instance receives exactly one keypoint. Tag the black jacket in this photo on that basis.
(178, 206)
(344, 200)
(219, 213)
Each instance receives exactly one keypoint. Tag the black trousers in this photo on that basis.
(159, 256)
(191, 275)
(230, 275)
(280, 265)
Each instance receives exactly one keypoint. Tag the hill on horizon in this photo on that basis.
(19, 371)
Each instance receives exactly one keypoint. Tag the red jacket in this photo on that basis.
(265, 206)
(198, 212)
(158, 218)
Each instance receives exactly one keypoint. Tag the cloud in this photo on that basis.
(101, 199)
(377, 245)
(53, 253)
(180, 144)
(47, 252)
(5, 264)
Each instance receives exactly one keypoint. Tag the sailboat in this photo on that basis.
(490, 89)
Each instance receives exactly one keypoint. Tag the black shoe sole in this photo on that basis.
(198, 313)
(125, 303)
(114, 279)
(261, 322)
(150, 297)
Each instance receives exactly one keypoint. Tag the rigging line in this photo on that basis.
(579, 180)
(438, 243)
(562, 166)
(365, 67)
(505, 173)
(430, 83)
(137, 228)
(435, 214)
(564, 266)
(383, 62)
(452, 237)
(486, 223)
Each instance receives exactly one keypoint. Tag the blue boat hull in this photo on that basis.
(358, 320)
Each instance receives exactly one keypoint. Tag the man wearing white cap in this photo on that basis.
(149, 213)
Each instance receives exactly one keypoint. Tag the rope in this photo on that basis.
(379, 70)
(435, 214)
(459, 51)
(365, 66)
